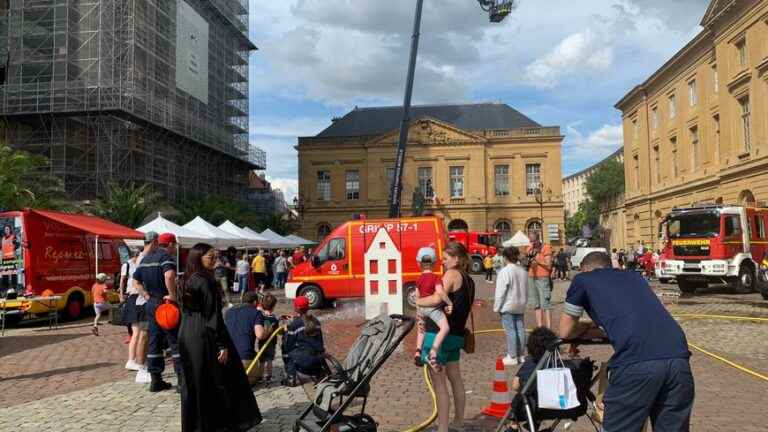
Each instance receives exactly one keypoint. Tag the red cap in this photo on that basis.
(300, 304)
(166, 238)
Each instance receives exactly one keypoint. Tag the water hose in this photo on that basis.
(262, 349)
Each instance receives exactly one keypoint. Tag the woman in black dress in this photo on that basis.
(215, 395)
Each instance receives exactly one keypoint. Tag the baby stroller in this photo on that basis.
(530, 418)
(351, 381)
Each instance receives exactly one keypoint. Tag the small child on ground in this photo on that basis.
(265, 326)
(538, 341)
(100, 303)
(428, 284)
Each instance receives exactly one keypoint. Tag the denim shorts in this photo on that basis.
(539, 293)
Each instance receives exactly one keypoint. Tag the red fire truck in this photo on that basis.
(336, 269)
(478, 244)
(714, 244)
(48, 254)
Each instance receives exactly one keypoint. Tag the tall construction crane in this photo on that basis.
(497, 10)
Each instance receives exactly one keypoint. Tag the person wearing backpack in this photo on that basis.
(510, 299)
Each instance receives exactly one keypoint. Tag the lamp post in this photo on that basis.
(298, 204)
(497, 11)
(539, 196)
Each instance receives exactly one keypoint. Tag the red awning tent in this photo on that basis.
(92, 224)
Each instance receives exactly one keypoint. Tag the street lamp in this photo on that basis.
(539, 196)
(497, 11)
(298, 204)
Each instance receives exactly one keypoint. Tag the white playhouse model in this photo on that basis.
(383, 277)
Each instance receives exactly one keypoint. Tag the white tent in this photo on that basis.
(277, 241)
(519, 240)
(186, 238)
(219, 239)
(254, 240)
(300, 240)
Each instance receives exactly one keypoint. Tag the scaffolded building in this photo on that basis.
(151, 91)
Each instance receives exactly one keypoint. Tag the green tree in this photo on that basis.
(24, 182)
(215, 209)
(606, 183)
(588, 214)
(127, 204)
(278, 224)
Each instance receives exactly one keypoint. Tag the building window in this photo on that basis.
(656, 164)
(655, 119)
(745, 123)
(532, 178)
(635, 130)
(425, 182)
(324, 185)
(716, 121)
(637, 172)
(457, 182)
(673, 145)
(695, 153)
(715, 79)
(504, 229)
(534, 227)
(741, 52)
(323, 230)
(693, 97)
(672, 106)
(501, 180)
(353, 184)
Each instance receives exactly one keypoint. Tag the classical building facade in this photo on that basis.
(695, 130)
(476, 165)
(575, 185)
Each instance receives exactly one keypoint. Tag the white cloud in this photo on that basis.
(289, 187)
(584, 51)
(580, 150)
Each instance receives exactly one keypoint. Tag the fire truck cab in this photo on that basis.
(478, 244)
(714, 244)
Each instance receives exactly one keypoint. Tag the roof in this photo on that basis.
(380, 120)
(92, 224)
(612, 156)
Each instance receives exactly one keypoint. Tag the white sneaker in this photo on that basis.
(143, 376)
(132, 365)
(509, 361)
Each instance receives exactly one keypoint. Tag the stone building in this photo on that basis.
(476, 165)
(695, 130)
(575, 185)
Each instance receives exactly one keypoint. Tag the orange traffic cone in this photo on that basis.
(500, 401)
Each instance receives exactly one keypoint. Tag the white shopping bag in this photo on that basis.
(555, 386)
(236, 287)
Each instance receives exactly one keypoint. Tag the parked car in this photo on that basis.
(581, 252)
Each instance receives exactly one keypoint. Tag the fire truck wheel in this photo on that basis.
(688, 286)
(74, 307)
(314, 294)
(477, 265)
(411, 294)
(745, 283)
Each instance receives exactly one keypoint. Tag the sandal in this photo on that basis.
(432, 359)
(417, 358)
(95, 331)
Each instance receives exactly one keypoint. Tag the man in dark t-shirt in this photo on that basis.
(241, 323)
(650, 374)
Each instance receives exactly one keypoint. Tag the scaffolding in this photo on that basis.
(93, 85)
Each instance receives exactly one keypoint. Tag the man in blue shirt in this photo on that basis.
(241, 323)
(650, 374)
(156, 281)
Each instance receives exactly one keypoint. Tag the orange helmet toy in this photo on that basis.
(167, 316)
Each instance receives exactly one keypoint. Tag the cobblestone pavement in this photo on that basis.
(66, 379)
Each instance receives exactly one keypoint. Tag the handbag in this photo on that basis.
(117, 315)
(555, 386)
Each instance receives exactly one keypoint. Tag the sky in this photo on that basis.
(560, 62)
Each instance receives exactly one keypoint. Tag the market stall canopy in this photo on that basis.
(276, 240)
(254, 240)
(186, 237)
(300, 240)
(220, 239)
(92, 224)
(518, 240)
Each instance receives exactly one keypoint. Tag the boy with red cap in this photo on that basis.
(303, 347)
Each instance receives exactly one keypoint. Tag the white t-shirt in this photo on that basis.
(243, 267)
(130, 288)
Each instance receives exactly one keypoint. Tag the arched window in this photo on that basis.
(534, 227)
(323, 230)
(746, 198)
(504, 229)
(458, 225)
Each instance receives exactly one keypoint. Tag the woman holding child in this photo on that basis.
(461, 292)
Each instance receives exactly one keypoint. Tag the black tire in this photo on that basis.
(315, 295)
(745, 283)
(75, 306)
(411, 293)
(477, 265)
(688, 286)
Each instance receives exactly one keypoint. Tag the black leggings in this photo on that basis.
(489, 274)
